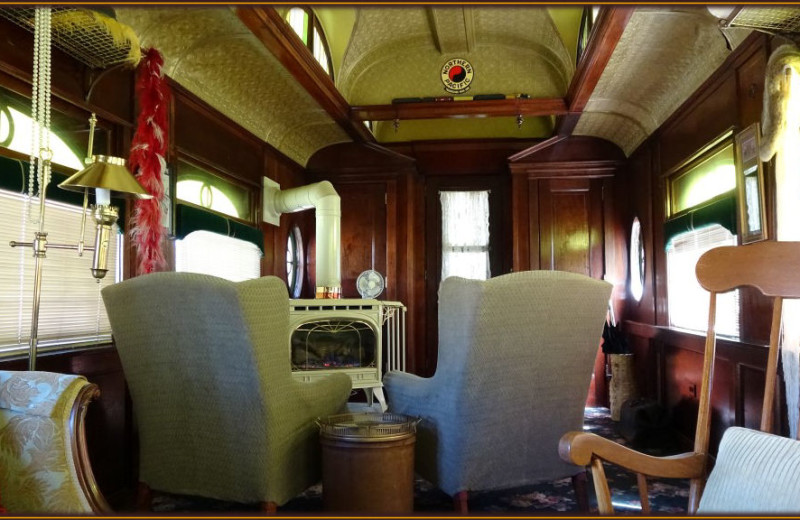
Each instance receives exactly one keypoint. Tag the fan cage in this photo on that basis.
(89, 42)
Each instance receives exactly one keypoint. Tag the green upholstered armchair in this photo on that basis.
(516, 355)
(44, 465)
(207, 363)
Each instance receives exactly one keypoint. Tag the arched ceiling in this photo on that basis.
(664, 55)
(397, 52)
(210, 52)
(381, 53)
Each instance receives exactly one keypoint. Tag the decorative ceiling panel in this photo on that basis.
(399, 52)
(213, 55)
(663, 56)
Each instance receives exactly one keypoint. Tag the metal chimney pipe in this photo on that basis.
(323, 197)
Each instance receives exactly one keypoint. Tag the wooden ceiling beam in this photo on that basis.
(460, 109)
(608, 30)
(279, 38)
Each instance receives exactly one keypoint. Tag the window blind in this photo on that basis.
(218, 255)
(71, 307)
(688, 301)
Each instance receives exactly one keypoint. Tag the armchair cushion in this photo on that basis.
(756, 472)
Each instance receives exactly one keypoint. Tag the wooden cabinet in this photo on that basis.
(570, 225)
(559, 209)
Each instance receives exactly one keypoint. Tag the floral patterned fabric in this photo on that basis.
(37, 473)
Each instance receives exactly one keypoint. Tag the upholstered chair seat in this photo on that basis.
(219, 414)
(755, 472)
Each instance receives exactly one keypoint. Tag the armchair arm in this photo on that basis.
(325, 396)
(406, 390)
(580, 448)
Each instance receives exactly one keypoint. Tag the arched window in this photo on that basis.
(307, 26)
(16, 133)
(206, 190)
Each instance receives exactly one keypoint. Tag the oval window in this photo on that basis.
(294, 262)
(637, 260)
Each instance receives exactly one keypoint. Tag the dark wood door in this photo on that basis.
(570, 223)
(499, 252)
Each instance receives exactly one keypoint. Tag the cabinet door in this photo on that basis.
(571, 225)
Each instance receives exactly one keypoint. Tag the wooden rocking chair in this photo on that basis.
(742, 463)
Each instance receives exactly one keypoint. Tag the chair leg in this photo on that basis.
(460, 502)
(144, 497)
(581, 491)
(268, 508)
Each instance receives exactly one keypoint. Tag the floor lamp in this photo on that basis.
(105, 174)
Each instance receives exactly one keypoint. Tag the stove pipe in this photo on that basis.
(323, 197)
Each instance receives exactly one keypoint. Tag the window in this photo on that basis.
(688, 302)
(16, 133)
(294, 262)
(201, 188)
(218, 255)
(465, 234)
(307, 26)
(702, 206)
(713, 174)
(588, 19)
(72, 309)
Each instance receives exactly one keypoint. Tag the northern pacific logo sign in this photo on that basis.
(457, 75)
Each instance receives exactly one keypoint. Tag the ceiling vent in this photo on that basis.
(784, 21)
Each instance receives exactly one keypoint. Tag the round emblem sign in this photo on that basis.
(457, 75)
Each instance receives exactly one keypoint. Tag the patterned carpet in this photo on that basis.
(666, 496)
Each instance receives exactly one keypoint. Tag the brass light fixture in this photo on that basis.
(105, 174)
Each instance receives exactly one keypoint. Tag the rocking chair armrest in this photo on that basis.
(581, 447)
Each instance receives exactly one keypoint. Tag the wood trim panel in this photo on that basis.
(520, 223)
(279, 38)
(582, 169)
(533, 224)
(538, 147)
(80, 450)
(460, 109)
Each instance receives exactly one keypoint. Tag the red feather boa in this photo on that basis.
(147, 160)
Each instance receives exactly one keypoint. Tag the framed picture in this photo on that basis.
(750, 186)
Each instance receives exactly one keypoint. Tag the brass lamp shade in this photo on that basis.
(109, 173)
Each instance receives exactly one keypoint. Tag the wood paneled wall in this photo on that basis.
(669, 361)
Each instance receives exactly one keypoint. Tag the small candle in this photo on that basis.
(102, 197)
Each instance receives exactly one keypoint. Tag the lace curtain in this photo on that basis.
(465, 234)
(781, 123)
